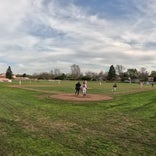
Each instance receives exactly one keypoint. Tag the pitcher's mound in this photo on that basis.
(88, 97)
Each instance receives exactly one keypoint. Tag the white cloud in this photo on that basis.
(39, 36)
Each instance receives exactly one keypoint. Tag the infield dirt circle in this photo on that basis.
(88, 97)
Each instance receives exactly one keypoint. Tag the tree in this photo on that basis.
(119, 69)
(75, 71)
(125, 77)
(153, 74)
(9, 73)
(132, 73)
(143, 74)
(24, 75)
(111, 73)
(102, 76)
(44, 76)
(61, 77)
(57, 72)
(91, 76)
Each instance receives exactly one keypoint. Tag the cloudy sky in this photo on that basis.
(42, 35)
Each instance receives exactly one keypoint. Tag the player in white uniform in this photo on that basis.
(84, 88)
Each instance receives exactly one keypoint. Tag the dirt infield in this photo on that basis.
(88, 97)
(69, 97)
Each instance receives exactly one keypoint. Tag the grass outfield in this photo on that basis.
(32, 123)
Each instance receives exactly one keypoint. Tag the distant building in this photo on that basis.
(150, 79)
(4, 79)
(2, 75)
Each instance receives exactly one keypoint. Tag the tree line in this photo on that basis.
(115, 73)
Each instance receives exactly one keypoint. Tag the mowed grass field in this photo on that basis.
(34, 124)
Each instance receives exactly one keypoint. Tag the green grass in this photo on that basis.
(34, 124)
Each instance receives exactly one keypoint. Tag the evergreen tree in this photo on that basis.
(111, 73)
(24, 75)
(9, 73)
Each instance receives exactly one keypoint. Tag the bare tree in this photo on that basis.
(57, 72)
(142, 70)
(91, 75)
(75, 71)
(120, 69)
(143, 74)
(102, 75)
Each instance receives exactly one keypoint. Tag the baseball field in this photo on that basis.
(46, 118)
